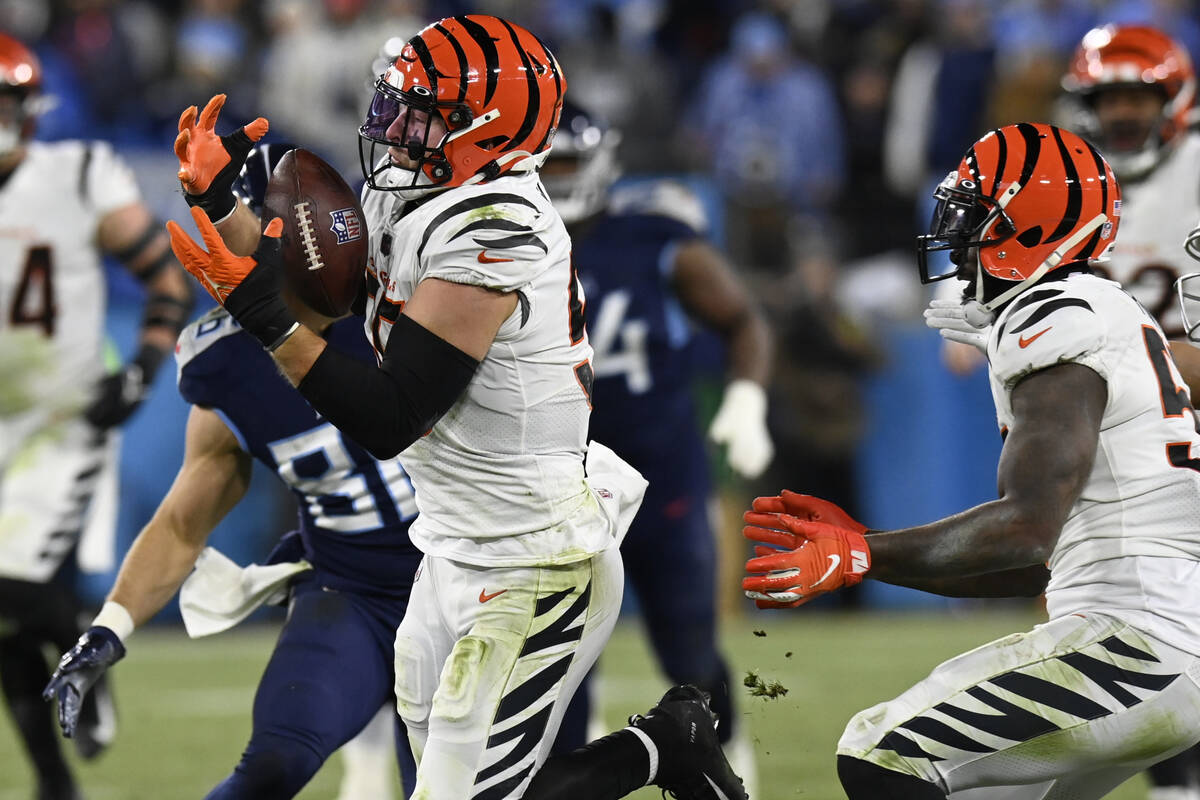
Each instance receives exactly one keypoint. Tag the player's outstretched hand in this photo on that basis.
(78, 670)
(248, 286)
(807, 507)
(818, 558)
(118, 396)
(208, 163)
(741, 424)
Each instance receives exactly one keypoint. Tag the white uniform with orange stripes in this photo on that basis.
(1110, 684)
(52, 306)
(1157, 214)
(521, 582)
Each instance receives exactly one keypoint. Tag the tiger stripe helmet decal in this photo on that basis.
(1028, 199)
(496, 86)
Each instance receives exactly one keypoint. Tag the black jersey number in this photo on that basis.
(1174, 398)
(33, 301)
(576, 306)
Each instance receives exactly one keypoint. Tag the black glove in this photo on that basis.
(248, 286)
(123, 391)
(257, 304)
(78, 670)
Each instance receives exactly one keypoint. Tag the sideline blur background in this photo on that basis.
(813, 131)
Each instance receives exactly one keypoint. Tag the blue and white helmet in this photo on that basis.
(250, 186)
(582, 165)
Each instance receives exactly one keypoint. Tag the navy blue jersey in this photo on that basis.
(642, 403)
(354, 511)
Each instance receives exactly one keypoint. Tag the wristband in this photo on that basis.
(116, 618)
(218, 208)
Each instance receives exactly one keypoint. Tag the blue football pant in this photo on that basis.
(331, 671)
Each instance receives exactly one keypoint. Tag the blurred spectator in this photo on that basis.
(1036, 38)
(767, 126)
(317, 77)
(623, 81)
(940, 99)
(816, 416)
(116, 50)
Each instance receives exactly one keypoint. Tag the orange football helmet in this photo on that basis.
(1025, 200)
(1133, 55)
(496, 88)
(21, 77)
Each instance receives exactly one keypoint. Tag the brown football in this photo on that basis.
(324, 233)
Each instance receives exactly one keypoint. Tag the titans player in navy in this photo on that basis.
(650, 276)
(332, 668)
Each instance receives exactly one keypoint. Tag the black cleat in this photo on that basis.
(691, 765)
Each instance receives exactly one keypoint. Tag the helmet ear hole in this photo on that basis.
(1030, 237)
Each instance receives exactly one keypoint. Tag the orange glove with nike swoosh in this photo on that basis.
(819, 558)
(247, 286)
(808, 507)
(208, 163)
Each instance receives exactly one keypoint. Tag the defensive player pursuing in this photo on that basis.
(650, 276)
(484, 382)
(62, 207)
(331, 670)
(1099, 482)
(1132, 92)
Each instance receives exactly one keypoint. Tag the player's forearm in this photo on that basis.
(989, 538)
(751, 349)
(1020, 582)
(241, 230)
(154, 568)
(384, 409)
(1187, 358)
(296, 356)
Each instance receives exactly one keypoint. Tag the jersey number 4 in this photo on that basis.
(33, 300)
(1174, 398)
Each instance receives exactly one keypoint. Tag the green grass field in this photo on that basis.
(185, 706)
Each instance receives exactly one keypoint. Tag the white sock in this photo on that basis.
(651, 751)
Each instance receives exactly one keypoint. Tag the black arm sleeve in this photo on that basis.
(386, 409)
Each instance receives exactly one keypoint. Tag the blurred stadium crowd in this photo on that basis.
(814, 131)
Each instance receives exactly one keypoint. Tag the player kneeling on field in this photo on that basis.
(1097, 481)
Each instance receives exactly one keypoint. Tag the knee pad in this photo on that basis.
(415, 679)
(478, 668)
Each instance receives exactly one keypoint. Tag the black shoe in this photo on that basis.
(691, 765)
(97, 721)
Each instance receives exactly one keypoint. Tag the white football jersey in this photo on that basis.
(52, 289)
(1157, 213)
(500, 477)
(1134, 532)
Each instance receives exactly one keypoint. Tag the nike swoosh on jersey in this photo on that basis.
(484, 596)
(835, 562)
(1025, 341)
(484, 258)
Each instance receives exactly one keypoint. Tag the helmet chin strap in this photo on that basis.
(1052, 261)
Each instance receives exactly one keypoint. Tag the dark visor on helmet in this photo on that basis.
(961, 214)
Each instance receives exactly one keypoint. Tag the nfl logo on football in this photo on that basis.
(346, 225)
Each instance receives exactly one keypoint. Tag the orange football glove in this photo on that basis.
(208, 163)
(807, 507)
(819, 558)
(248, 286)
